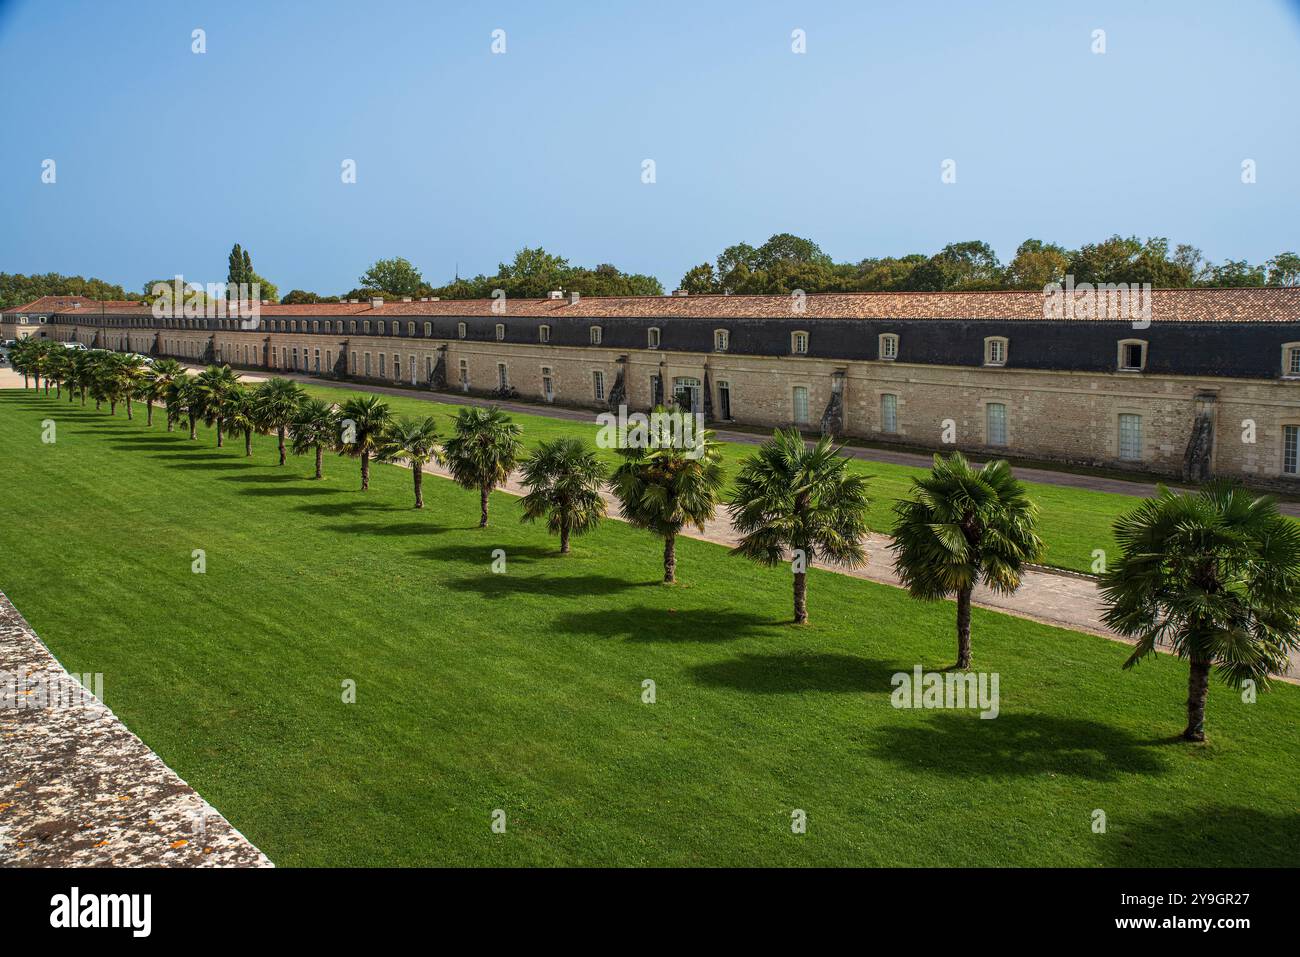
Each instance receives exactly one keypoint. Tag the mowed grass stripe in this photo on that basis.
(522, 691)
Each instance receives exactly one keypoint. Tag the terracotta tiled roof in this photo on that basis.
(72, 304)
(1271, 304)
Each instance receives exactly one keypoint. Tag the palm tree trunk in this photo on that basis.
(280, 437)
(148, 415)
(365, 471)
(83, 398)
(220, 437)
(1198, 689)
(194, 428)
(483, 504)
(248, 443)
(128, 408)
(670, 559)
(963, 627)
(801, 598)
(419, 484)
(320, 460)
(564, 538)
(171, 422)
(112, 406)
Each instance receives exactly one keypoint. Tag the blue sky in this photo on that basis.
(165, 158)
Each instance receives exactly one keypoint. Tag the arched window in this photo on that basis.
(652, 337)
(460, 331)
(595, 335)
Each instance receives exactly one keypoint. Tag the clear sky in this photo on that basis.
(166, 157)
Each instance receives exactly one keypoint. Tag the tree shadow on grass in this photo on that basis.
(1215, 836)
(654, 625)
(962, 744)
(793, 672)
(265, 478)
(489, 585)
(481, 555)
(340, 509)
(153, 445)
(389, 529)
(297, 490)
(209, 462)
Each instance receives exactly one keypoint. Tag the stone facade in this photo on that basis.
(1194, 394)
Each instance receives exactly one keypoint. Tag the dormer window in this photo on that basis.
(652, 337)
(460, 330)
(543, 333)
(381, 327)
(1291, 360)
(595, 335)
(501, 332)
(799, 343)
(995, 351)
(721, 340)
(428, 330)
(888, 346)
(1132, 355)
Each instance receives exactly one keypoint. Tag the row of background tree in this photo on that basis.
(782, 264)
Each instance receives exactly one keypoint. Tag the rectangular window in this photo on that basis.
(595, 335)
(996, 415)
(428, 330)
(381, 327)
(383, 365)
(410, 328)
(367, 358)
(1130, 437)
(464, 375)
(548, 384)
(800, 405)
(503, 380)
(724, 401)
(460, 330)
(1293, 361)
(501, 332)
(997, 352)
(544, 333)
(653, 339)
(721, 340)
(598, 385)
(316, 359)
(411, 367)
(888, 347)
(1132, 358)
(352, 370)
(889, 413)
(799, 345)
(397, 367)
(1290, 441)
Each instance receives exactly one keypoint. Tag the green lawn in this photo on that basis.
(1074, 522)
(522, 691)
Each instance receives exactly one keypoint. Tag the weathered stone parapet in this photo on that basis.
(78, 789)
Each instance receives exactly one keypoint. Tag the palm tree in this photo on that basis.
(111, 379)
(132, 371)
(1215, 575)
(563, 479)
(278, 401)
(216, 384)
(22, 357)
(183, 400)
(364, 423)
(76, 374)
(416, 442)
(790, 496)
(56, 368)
(317, 429)
(241, 414)
(482, 452)
(666, 488)
(964, 525)
(165, 372)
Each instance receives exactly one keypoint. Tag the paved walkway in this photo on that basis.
(77, 789)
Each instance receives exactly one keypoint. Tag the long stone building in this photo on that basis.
(1210, 385)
